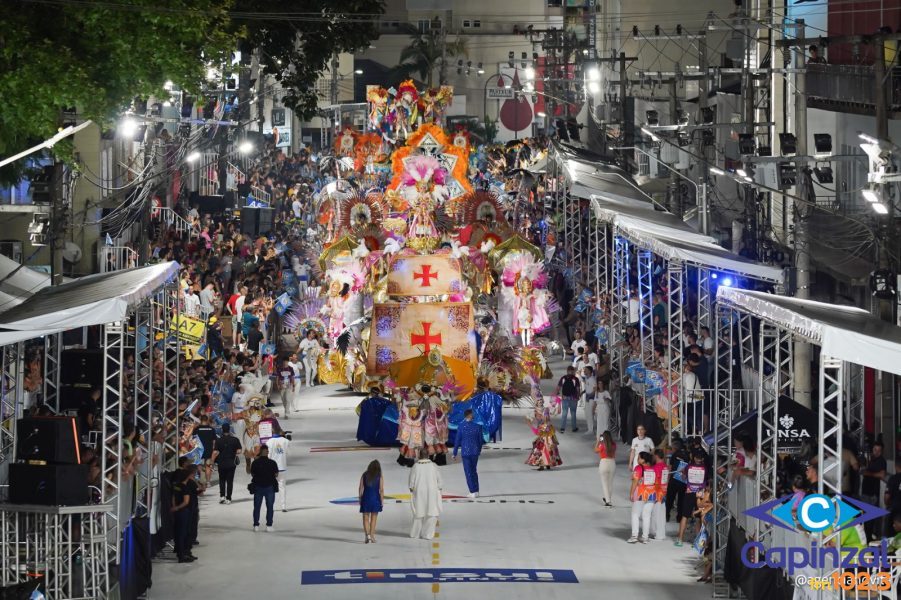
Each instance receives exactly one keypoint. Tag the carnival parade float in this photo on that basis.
(429, 297)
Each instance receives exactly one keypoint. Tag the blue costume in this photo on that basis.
(371, 500)
(378, 422)
(486, 407)
(470, 439)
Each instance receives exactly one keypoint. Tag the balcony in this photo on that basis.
(850, 88)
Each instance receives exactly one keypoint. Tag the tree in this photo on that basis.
(98, 58)
(425, 52)
(296, 47)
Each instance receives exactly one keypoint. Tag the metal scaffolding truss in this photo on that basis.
(726, 410)
(111, 458)
(705, 301)
(619, 302)
(44, 539)
(645, 302)
(53, 346)
(165, 304)
(572, 233)
(11, 398)
(829, 454)
(775, 380)
(675, 276)
(143, 400)
(598, 264)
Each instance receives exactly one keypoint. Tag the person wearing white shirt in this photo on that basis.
(302, 270)
(691, 396)
(297, 366)
(640, 443)
(593, 361)
(278, 451)
(309, 350)
(706, 342)
(578, 342)
(589, 389)
(604, 408)
(297, 207)
(634, 308)
(192, 304)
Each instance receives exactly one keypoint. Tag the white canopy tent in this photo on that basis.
(843, 332)
(18, 282)
(92, 300)
(667, 236)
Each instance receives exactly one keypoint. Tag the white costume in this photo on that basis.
(425, 484)
(278, 451)
(310, 349)
(604, 411)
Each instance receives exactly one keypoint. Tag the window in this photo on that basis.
(471, 24)
(390, 24)
(424, 25)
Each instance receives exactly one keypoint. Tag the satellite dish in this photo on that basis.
(72, 253)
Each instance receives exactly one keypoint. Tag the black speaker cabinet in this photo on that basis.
(48, 485)
(256, 221)
(53, 440)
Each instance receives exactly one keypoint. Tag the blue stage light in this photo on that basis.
(726, 282)
(714, 276)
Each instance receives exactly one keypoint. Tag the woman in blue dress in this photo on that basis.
(372, 495)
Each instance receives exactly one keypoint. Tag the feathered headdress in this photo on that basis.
(524, 265)
(408, 87)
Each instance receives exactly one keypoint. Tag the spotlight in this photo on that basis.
(38, 229)
(683, 138)
(764, 151)
(717, 171)
(880, 208)
(871, 196)
(746, 144)
(541, 114)
(726, 282)
(480, 70)
(681, 118)
(168, 85)
(358, 71)
(708, 116)
(714, 276)
(789, 143)
(128, 127)
(741, 172)
(823, 143)
(593, 74)
(594, 87)
(788, 175)
(245, 147)
(652, 117)
(530, 73)
(193, 157)
(824, 174)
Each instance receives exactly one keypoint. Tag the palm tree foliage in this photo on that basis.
(424, 54)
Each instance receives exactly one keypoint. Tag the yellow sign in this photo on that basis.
(188, 329)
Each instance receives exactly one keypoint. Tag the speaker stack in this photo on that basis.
(256, 221)
(80, 371)
(48, 469)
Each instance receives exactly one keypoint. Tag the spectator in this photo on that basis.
(264, 485)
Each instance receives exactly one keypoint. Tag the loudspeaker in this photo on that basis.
(81, 368)
(209, 205)
(53, 440)
(255, 221)
(49, 485)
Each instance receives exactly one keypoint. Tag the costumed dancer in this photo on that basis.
(545, 454)
(409, 431)
(522, 291)
(334, 307)
(434, 426)
(310, 350)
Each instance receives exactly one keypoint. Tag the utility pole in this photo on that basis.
(58, 220)
(703, 91)
(442, 35)
(333, 91)
(675, 185)
(801, 215)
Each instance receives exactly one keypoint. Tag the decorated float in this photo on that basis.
(431, 300)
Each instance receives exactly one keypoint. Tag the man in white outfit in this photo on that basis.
(589, 389)
(278, 451)
(309, 350)
(297, 367)
(425, 485)
(604, 408)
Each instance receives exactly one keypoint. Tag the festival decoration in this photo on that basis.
(430, 275)
(401, 331)
(345, 143)
(435, 102)
(523, 297)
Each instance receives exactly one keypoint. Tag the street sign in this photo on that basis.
(500, 93)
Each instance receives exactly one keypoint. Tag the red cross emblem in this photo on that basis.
(426, 276)
(425, 339)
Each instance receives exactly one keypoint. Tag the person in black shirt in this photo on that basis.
(207, 435)
(893, 491)
(194, 489)
(225, 455)
(181, 512)
(569, 389)
(264, 474)
(254, 338)
(873, 475)
(675, 490)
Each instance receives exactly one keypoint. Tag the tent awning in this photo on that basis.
(18, 282)
(92, 300)
(668, 236)
(844, 332)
